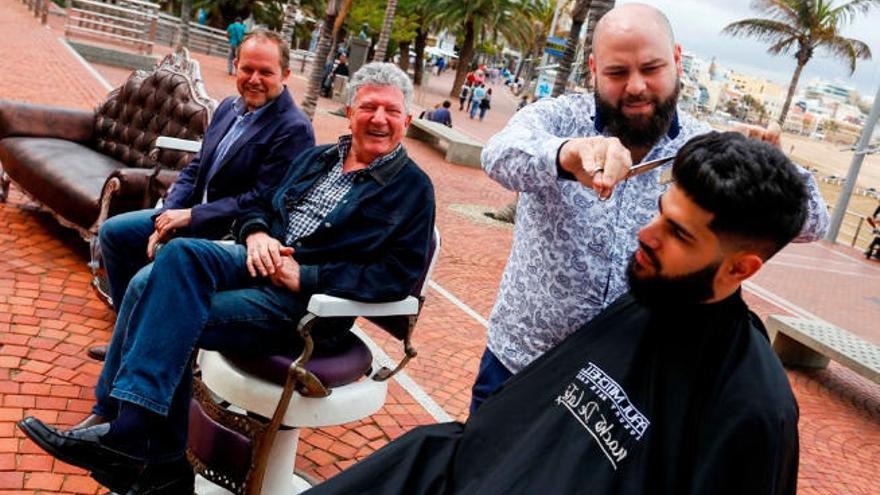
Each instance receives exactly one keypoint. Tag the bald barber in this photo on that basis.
(578, 214)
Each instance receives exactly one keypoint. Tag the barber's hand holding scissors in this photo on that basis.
(596, 162)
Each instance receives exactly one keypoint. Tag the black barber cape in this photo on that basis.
(689, 400)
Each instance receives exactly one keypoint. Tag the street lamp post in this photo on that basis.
(853, 173)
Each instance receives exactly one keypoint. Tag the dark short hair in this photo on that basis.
(446, 104)
(757, 196)
(267, 35)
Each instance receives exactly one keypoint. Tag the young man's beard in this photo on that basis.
(660, 290)
(639, 133)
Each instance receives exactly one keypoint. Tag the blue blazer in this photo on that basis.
(254, 165)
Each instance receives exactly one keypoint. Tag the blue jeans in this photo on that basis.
(230, 59)
(197, 293)
(474, 107)
(123, 240)
(483, 112)
(492, 375)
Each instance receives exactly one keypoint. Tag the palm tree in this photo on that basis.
(185, 17)
(310, 101)
(536, 37)
(578, 16)
(289, 22)
(379, 55)
(598, 8)
(511, 18)
(802, 26)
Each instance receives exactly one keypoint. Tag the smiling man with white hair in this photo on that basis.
(353, 219)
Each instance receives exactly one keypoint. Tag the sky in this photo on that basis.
(698, 23)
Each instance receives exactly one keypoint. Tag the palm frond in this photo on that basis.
(780, 10)
(784, 46)
(761, 29)
(847, 12)
(848, 50)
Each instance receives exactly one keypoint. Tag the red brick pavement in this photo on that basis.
(37, 68)
(48, 315)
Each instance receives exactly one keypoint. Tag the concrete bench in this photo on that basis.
(461, 149)
(811, 344)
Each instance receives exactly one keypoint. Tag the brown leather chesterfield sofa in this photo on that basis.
(86, 166)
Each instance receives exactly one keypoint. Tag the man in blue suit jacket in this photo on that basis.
(248, 146)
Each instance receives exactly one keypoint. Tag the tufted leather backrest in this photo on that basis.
(146, 106)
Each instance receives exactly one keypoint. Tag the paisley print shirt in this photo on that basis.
(570, 250)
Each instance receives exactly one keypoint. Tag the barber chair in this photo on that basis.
(246, 413)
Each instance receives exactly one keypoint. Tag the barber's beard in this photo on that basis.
(661, 290)
(641, 131)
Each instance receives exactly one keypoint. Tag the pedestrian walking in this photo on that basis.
(463, 95)
(235, 32)
(485, 103)
(476, 97)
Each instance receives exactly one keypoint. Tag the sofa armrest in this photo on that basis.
(26, 119)
(132, 181)
(141, 183)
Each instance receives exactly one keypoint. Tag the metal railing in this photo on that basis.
(131, 22)
(855, 230)
(202, 39)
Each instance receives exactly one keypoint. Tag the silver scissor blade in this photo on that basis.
(643, 167)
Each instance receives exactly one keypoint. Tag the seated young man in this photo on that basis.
(353, 219)
(673, 389)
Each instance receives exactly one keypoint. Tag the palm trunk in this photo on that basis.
(404, 56)
(465, 57)
(578, 15)
(791, 89)
(419, 66)
(525, 60)
(540, 41)
(310, 102)
(598, 8)
(185, 17)
(382, 46)
(289, 20)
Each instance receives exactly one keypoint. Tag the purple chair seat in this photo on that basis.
(216, 445)
(349, 360)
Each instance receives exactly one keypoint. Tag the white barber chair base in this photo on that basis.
(345, 404)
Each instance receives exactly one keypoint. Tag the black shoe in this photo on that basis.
(169, 478)
(97, 352)
(83, 448)
(89, 421)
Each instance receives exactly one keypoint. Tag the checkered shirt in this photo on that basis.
(306, 215)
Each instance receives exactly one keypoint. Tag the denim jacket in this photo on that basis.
(373, 246)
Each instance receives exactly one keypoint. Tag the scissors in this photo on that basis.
(641, 168)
